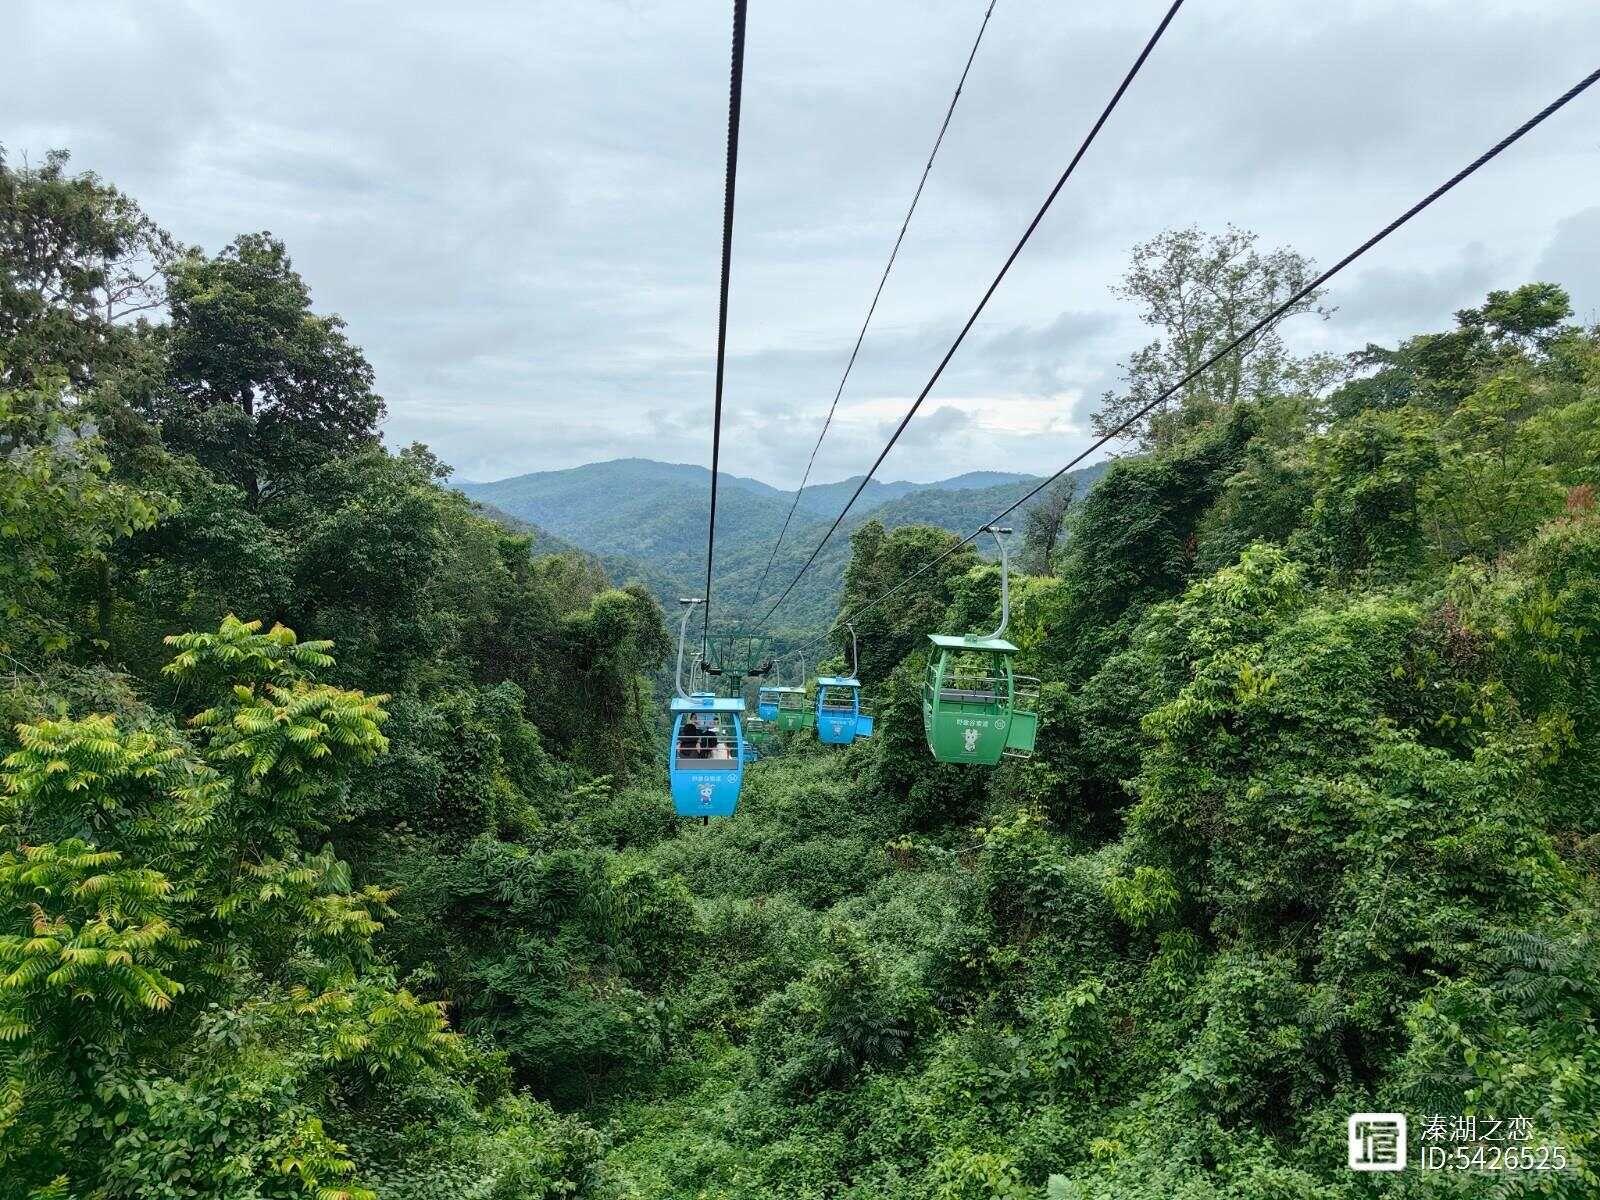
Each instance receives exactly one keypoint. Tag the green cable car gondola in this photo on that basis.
(975, 709)
(793, 711)
(760, 738)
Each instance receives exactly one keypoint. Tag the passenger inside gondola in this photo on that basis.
(689, 740)
(707, 738)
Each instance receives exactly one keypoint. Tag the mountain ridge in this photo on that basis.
(646, 521)
(659, 467)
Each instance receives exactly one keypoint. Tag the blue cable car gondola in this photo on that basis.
(767, 702)
(707, 753)
(840, 720)
(760, 729)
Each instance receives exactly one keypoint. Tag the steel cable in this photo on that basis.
(876, 296)
(735, 92)
(1471, 168)
(1038, 218)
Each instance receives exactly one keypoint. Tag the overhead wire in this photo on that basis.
(877, 295)
(1033, 225)
(735, 93)
(1242, 339)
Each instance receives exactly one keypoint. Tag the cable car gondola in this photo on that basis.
(840, 720)
(707, 753)
(793, 711)
(975, 709)
(758, 739)
(767, 702)
(761, 728)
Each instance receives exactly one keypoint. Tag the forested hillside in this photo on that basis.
(205, 985)
(336, 858)
(647, 522)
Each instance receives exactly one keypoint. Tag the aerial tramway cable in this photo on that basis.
(735, 91)
(877, 295)
(1027, 234)
(1244, 338)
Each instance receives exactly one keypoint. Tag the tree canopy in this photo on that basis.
(336, 860)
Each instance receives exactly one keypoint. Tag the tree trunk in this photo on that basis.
(103, 604)
(252, 478)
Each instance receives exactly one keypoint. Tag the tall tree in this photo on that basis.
(260, 389)
(60, 513)
(1508, 332)
(1202, 291)
(1043, 523)
(879, 560)
(78, 261)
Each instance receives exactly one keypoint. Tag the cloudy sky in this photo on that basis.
(517, 206)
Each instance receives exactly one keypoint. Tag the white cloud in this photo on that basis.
(517, 206)
(1573, 260)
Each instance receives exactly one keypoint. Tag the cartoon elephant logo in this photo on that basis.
(971, 737)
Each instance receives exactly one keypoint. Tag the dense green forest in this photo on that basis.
(336, 858)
